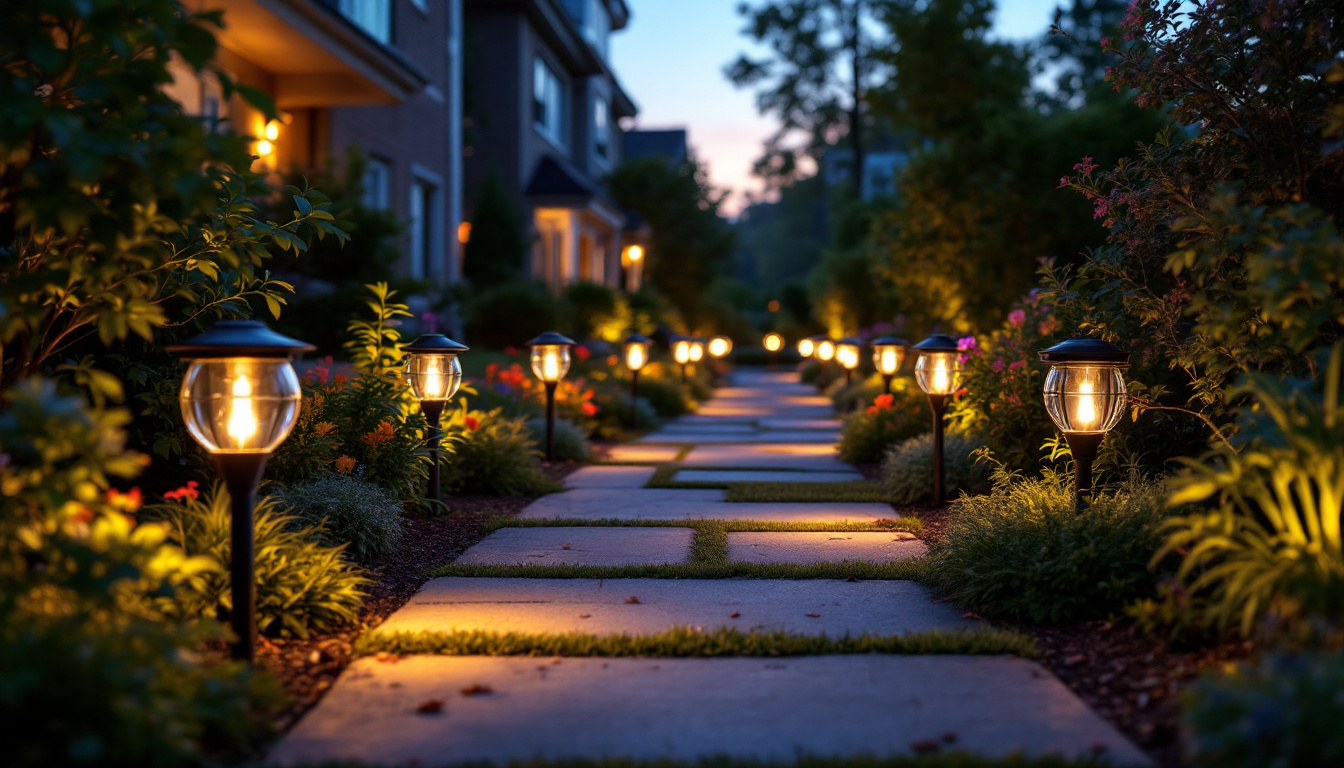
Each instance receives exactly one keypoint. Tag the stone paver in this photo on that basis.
(762, 476)
(634, 453)
(794, 436)
(599, 606)
(800, 456)
(787, 424)
(813, 547)
(684, 709)
(610, 477)
(581, 546)
(680, 427)
(689, 504)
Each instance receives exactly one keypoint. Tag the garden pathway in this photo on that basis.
(441, 709)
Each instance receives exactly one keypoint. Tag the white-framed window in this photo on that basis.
(426, 224)
(602, 129)
(375, 183)
(372, 16)
(548, 102)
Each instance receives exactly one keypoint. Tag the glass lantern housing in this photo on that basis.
(720, 346)
(432, 367)
(1085, 388)
(773, 342)
(888, 354)
(550, 356)
(681, 350)
(847, 352)
(636, 348)
(825, 350)
(807, 347)
(697, 350)
(240, 394)
(938, 367)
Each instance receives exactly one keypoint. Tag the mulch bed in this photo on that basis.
(307, 668)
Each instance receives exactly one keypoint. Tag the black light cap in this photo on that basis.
(551, 338)
(1084, 351)
(638, 338)
(436, 343)
(938, 342)
(888, 341)
(853, 341)
(239, 338)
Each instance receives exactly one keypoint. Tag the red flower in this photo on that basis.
(472, 423)
(582, 353)
(187, 491)
(589, 409)
(884, 402)
(126, 502)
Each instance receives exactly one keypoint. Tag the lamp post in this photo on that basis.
(807, 346)
(888, 354)
(1085, 395)
(825, 349)
(550, 362)
(697, 349)
(773, 342)
(938, 372)
(636, 356)
(240, 399)
(847, 353)
(719, 346)
(681, 352)
(435, 374)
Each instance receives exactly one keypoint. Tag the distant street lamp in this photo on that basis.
(435, 374)
(697, 349)
(681, 353)
(847, 353)
(719, 346)
(636, 357)
(825, 349)
(938, 372)
(773, 343)
(888, 354)
(807, 346)
(240, 399)
(550, 362)
(1085, 395)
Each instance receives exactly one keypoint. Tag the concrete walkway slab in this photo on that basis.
(686, 709)
(763, 476)
(633, 453)
(797, 456)
(795, 436)
(712, 428)
(610, 477)
(581, 546)
(814, 547)
(600, 606)
(792, 424)
(690, 504)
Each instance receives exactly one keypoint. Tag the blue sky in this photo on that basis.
(671, 59)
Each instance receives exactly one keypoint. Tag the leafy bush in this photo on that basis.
(907, 468)
(302, 585)
(1022, 552)
(857, 395)
(892, 419)
(1271, 543)
(597, 312)
(497, 456)
(344, 510)
(570, 442)
(512, 313)
(92, 671)
(1282, 711)
(667, 397)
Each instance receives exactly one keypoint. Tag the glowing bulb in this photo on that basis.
(634, 357)
(682, 352)
(242, 424)
(433, 380)
(697, 351)
(887, 360)
(1086, 413)
(940, 380)
(806, 347)
(550, 367)
(719, 346)
(272, 131)
(635, 252)
(774, 342)
(265, 148)
(826, 350)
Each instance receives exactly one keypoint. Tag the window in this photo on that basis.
(425, 222)
(421, 4)
(602, 128)
(376, 174)
(547, 102)
(597, 26)
(372, 16)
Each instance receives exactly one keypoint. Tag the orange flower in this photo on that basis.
(345, 465)
(884, 401)
(472, 423)
(187, 491)
(589, 409)
(324, 428)
(126, 502)
(382, 434)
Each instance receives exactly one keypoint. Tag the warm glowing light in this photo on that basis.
(774, 342)
(265, 148)
(550, 366)
(773, 306)
(464, 232)
(806, 347)
(634, 253)
(720, 346)
(242, 424)
(941, 382)
(888, 362)
(433, 379)
(272, 131)
(825, 350)
(681, 351)
(635, 357)
(697, 350)
(1086, 414)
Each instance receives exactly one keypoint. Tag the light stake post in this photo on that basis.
(240, 399)
(938, 372)
(1085, 395)
(550, 363)
(719, 347)
(636, 349)
(773, 342)
(435, 374)
(847, 353)
(888, 355)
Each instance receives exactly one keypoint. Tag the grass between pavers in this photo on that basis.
(709, 547)
(805, 492)
(688, 642)
(941, 759)
(908, 569)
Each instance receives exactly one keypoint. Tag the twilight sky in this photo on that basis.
(670, 60)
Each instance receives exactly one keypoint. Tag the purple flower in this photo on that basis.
(1016, 318)
(998, 364)
(1016, 364)
(966, 343)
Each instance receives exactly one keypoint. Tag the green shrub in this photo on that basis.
(345, 510)
(509, 315)
(593, 307)
(496, 456)
(92, 671)
(613, 416)
(302, 585)
(892, 419)
(570, 442)
(1022, 552)
(907, 468)
(1271, 544)
(860, 394)
(1282, 711)
(667, 397)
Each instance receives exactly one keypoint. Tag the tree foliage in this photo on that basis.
(496, 250)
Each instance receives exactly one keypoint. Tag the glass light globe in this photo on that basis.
(847, 353)
(433, 376)
(938, 373)
(636, 354)
(888, 355)
(773, 342)
(1085, 398)
(825, 350)
(720, 346)
(806, 347)
(697, 350)
(240, 404)
(681, 351)
(550, 362)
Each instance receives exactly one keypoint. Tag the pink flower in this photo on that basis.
(1016, 318)
(966, 343)
(1063, 181)
(998, 364)
(1016, 364)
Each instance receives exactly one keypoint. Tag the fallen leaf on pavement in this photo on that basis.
(814, 615)
(585, 615)
(431, 707)
(734, 615)
(477, 690)
(632, 599)
(565, 545)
